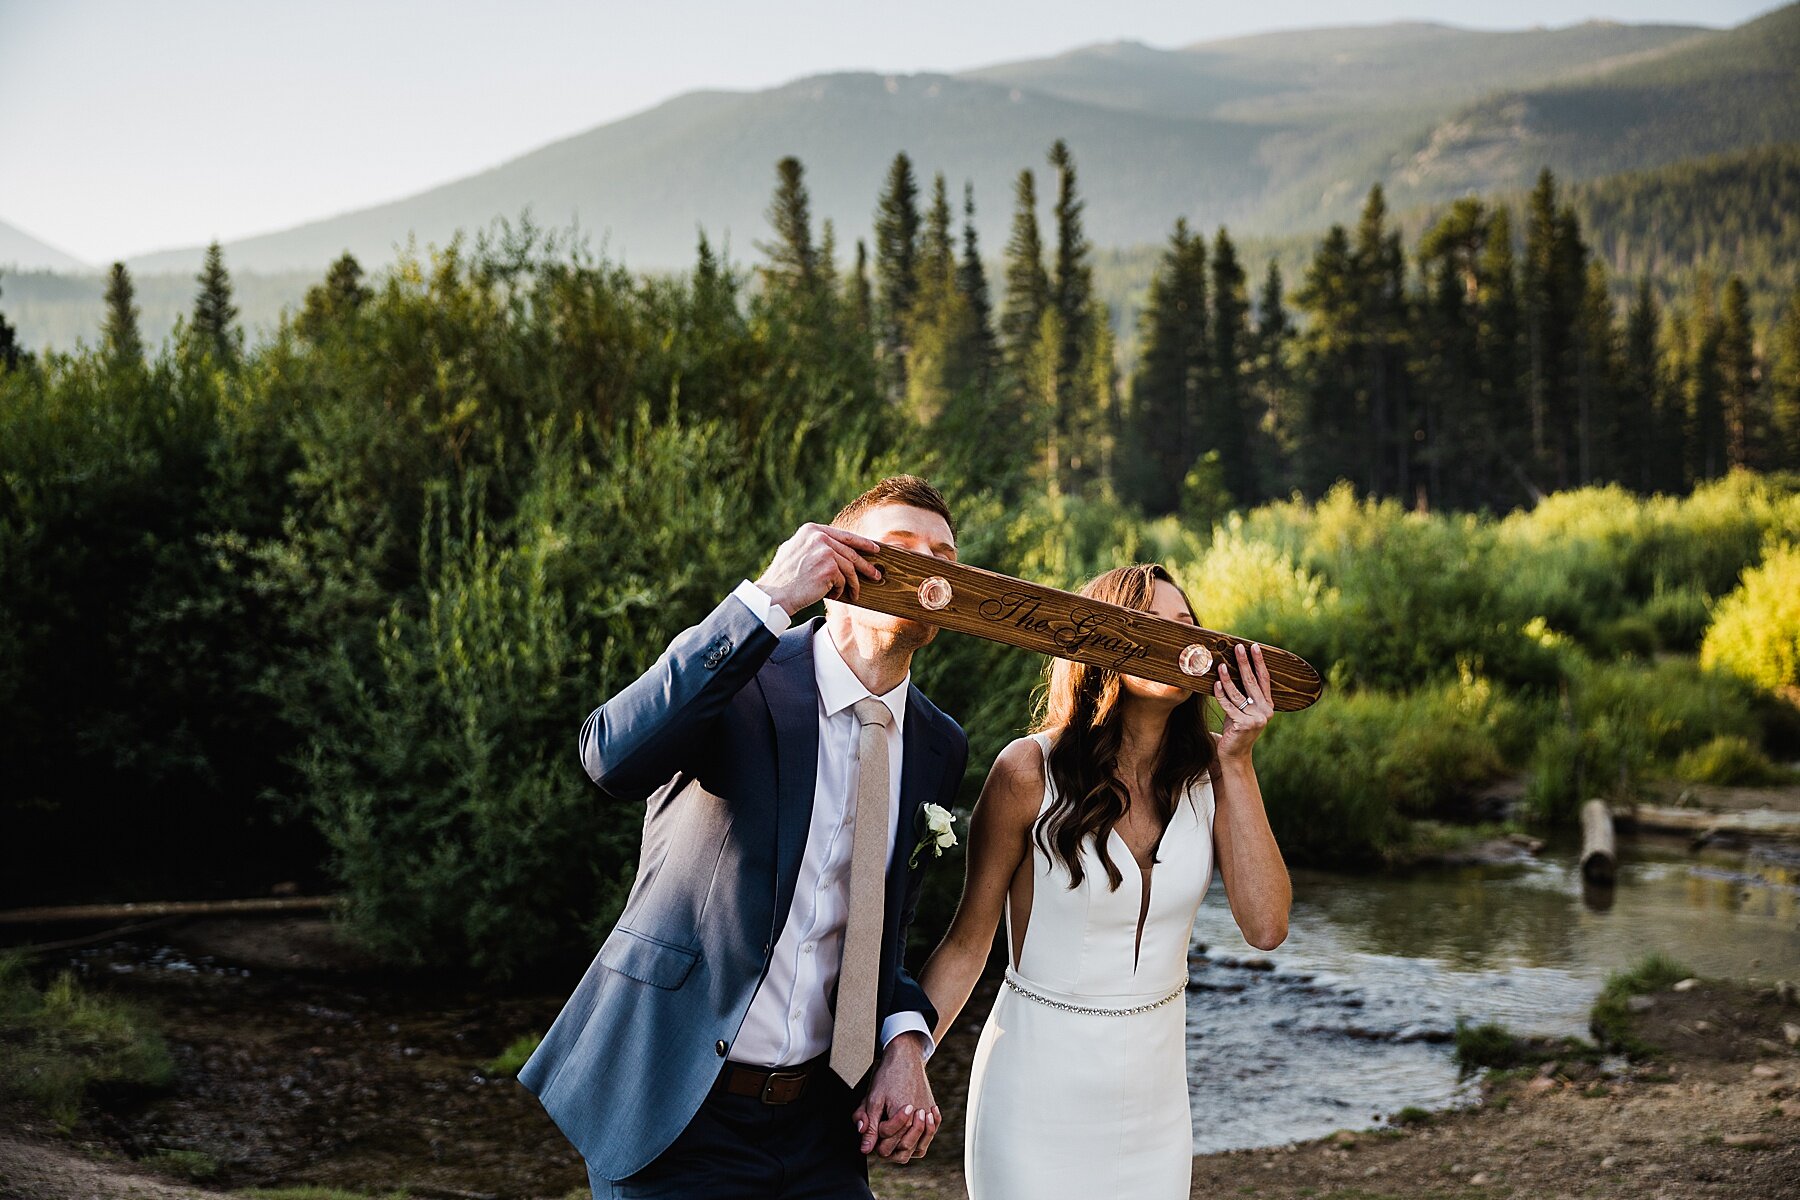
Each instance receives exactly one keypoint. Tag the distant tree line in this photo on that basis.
(1483, 370)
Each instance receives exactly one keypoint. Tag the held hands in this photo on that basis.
(818, 563)
(1247, 707)
(898, 1118)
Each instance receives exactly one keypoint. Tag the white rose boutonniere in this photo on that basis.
(939, 835)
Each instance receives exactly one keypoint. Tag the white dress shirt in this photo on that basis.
(790, 1016)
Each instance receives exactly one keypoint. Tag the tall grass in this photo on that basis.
(61, 1044)
(1620, 723)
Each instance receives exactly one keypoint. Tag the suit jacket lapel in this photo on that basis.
(921, 774)
(793, 700)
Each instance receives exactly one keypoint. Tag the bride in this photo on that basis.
(1097, 836)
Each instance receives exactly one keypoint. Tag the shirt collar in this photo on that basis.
(839, 687)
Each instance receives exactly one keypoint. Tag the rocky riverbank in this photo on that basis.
(298, 1068)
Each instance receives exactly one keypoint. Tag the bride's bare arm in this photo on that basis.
(1256, 878)
(999, 832)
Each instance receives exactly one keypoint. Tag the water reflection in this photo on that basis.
(1353, 1023)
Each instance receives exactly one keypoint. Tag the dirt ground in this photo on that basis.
(336, 1077)
(1715, 1114)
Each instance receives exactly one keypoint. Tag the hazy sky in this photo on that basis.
(128, 126)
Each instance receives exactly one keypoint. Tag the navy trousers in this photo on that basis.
(738, 1148)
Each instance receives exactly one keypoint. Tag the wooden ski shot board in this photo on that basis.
(1051, 621)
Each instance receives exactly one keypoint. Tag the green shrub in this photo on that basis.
(1495, 1047)
(1756, 630)
(1679, 615)
(510, 1060)
(1630, 636)
(196, 1165)
(1610, 1019)
(59, 1044)
(1732, 761)
(1341, 779)
(1624, 722)
(1486, 1045)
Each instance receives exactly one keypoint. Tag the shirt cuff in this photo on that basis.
(906, 1022)
(771, 614)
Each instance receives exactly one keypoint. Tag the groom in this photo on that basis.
(748, 1028)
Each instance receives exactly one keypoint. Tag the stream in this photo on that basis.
(1351, 1019)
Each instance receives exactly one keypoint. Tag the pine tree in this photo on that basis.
(942, 364)
(119, 337)
(1706, 436)
(1027, 285)
(793, 261)
(1676, 353)
(1071, 282)
(896, 267)
(1554, 282)
(1228, 429)
(1457, 454)
(859, 297)
(1379, 320)
(10, 350)
(1043, 382)
(1641, 404)
(1097, 439)
(335, 300)
(1597, 433)
(713, 323)
(1500, 354)
(1272, 411)
(1738, 382)
(713, 288)
(1334, 407)
(971, 281)
(214, 313)
(827, 259)
(1162, 434)
(936, 264)
(1784, 388)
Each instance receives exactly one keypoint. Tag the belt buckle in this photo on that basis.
(782, 1077)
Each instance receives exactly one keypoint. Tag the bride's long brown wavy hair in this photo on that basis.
(1081, 703)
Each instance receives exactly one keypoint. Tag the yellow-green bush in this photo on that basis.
(1733, 761)
(1756, 631)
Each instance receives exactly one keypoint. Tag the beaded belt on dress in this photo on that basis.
(1094, 1012)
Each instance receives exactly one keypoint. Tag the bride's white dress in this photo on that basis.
(1084, 1105)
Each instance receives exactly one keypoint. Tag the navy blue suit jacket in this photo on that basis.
(720, 740)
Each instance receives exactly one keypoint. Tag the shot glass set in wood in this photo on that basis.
(1051, 621)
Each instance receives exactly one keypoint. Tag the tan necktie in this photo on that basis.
(853, 1030)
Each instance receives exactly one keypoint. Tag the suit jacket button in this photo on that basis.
(715, 653)
(721, 1047)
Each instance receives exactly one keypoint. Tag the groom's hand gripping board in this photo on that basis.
(1051, 621)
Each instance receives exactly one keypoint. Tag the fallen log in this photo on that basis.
(167, 908)
(1599, 848)
(1756, 822)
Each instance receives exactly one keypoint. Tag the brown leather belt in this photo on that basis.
(771, 1085)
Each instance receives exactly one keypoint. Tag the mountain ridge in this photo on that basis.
(1269, 134)
(20, 251)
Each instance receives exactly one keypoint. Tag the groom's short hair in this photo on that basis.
(897, 489)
